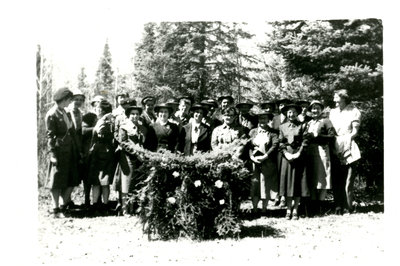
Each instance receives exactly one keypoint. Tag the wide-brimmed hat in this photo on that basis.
(199, 107)
(300, 102)
(61, 94)
(78, 92)
(230, 98)
(163, 105)
(315, 102)
(148, 98)
(247, 102)
(133, 107)
(261, 112)
(128, 101)
(210, 102)
(292, 105)
(270, 103)
(105, 105)
(96, 99)
(186, 98)
(172, 102)
(284, 100)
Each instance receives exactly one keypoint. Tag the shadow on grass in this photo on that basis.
(257, 231)
(81, 212)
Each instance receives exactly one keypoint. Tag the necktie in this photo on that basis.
(66, 119)
(78, 119)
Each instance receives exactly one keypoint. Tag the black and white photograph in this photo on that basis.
(192, 138)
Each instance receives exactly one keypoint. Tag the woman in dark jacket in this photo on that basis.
(293, 180)
(132, 133)
(195, 136)
(101, 155)
(320, 134)
(167, 133)
(263, 148)
(64, 155)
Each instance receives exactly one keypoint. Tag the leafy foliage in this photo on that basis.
(370, 140)
(191, 58)
(104, 83)
(197, 197)
(327, 55)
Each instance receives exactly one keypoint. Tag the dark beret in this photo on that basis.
(62, 93)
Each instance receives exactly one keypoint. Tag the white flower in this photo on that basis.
(171, 200)
(197, 183)
(175, 174)
(219, 183)
(221, 202)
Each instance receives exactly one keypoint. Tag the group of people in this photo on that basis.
(296, 150)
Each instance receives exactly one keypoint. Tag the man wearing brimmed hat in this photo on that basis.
(63, 150)
(195, 136)
(148, 116)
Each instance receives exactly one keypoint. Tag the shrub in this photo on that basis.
(197, 196)
(370, 140)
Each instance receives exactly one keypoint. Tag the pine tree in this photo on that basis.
(82, 83)
(191, 58)
(331, 54)
(104, 82)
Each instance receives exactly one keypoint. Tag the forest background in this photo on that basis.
(27, 26)
(297, 59)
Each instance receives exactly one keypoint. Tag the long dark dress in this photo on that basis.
(318, 152)
(62, 146)
(293, 179)
(265, 175)
(101, 154)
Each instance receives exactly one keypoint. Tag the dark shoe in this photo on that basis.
(277, 202)
(56, 213)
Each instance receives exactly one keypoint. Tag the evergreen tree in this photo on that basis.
(104, 82)
(191, 58)
(82, 83)
(327, 55)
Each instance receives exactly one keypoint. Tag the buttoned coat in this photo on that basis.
(62, 145)
(167, 136)
(203, 142)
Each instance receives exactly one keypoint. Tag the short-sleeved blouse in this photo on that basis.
(342, 119)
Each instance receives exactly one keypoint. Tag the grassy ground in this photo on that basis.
(114, 239)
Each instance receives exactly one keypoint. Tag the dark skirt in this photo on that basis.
(264, 182)
(65, 173)
(101, 165)
(293, 178)
(126, 173)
